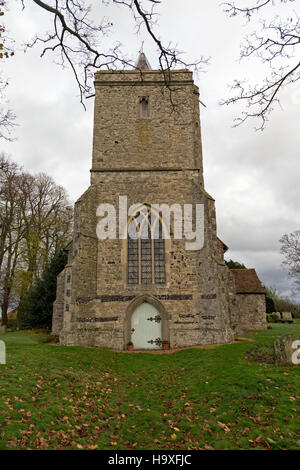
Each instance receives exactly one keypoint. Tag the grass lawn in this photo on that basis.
(56, 397)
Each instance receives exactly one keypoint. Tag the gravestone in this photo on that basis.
(287, 316)
(2, 330)
(284, 350)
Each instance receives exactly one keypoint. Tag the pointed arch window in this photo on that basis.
(146, 260)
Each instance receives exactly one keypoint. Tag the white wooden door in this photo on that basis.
(146, 327)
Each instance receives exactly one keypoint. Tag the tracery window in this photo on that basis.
(146, 261)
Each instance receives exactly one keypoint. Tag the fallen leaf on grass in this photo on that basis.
(223, 426)
(207, 447)
(259, 441)
(245, 431)
(206, 427)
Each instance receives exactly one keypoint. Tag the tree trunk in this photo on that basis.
(4, 306)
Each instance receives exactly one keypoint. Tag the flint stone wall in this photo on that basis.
(250, 312)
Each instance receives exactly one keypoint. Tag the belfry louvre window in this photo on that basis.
(146, 249)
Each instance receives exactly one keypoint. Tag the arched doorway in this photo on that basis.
(146, 327)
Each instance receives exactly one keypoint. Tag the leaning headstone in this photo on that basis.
(2, 330)
(287, 316)
(284, 349)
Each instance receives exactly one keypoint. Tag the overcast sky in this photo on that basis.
(253, 176)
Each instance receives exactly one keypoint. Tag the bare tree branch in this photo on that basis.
(275, 45)
(79, 42)
(290, 248)
(7, 117)
(248, 11)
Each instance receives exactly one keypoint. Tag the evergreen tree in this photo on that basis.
(270, 306)
(234, 264)
(38, 304)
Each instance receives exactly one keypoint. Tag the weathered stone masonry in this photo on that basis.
(152, 156)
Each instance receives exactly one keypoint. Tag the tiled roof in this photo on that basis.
(13, 314)
(247, 282)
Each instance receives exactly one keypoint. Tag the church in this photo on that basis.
(140, 283)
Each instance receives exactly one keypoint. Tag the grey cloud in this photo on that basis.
(253, 176)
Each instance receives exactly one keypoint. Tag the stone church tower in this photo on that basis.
(147, 147)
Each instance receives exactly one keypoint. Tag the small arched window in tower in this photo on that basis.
(146, 249)
(144, 107)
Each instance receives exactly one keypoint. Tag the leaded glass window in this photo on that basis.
(146, 249)
(133, 261)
